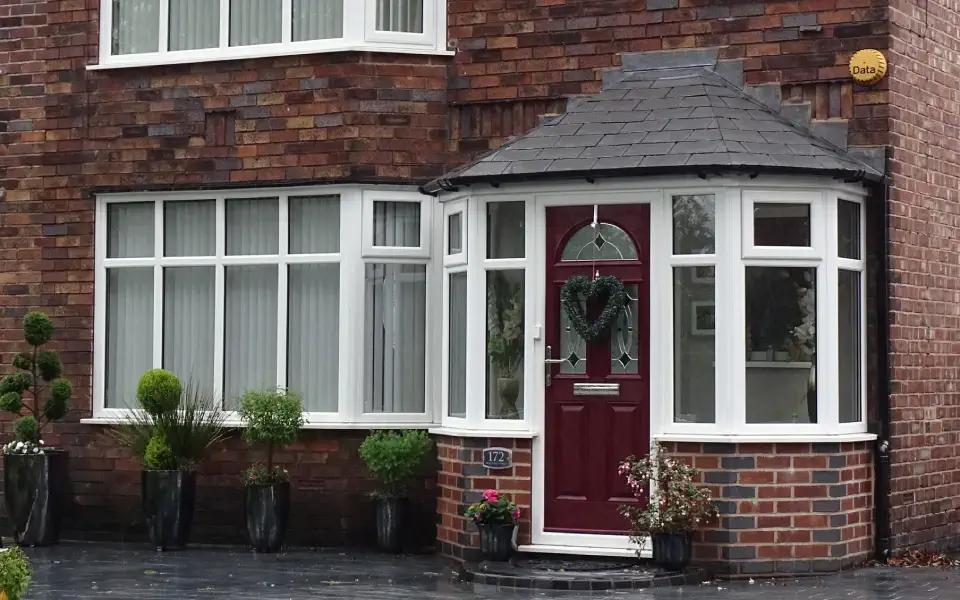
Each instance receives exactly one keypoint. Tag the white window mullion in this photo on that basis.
(827, 296)
(219, 297)
(100, 309)
(106, 38)
(158, 285)
(164, 25)
(286, 25)
(352, 302)
(731, 300)
(224, 23)
(282, 285)
(355, 21)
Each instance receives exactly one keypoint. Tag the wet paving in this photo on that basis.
(99, 571)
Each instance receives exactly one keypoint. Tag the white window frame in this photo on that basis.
(352, 288)
(359, 34)
(450, 209)
(858, 266)
(370, 198)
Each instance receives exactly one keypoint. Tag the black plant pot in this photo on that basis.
(391, 523)
(496, 542)
(35, 491)
(168, 501)
(268, 512)
(671, 550)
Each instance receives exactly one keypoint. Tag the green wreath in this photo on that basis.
(579, 290)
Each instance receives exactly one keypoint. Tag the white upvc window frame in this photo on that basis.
(450, 209)
(370, 199)
(359, 34)
(351, 383)
(859, 266)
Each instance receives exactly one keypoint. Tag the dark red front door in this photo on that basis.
(590, 429)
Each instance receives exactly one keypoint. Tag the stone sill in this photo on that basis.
(236, 424)
(483, 433)
(837, 438)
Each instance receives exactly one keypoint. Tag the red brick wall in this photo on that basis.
(784, 508)
(925, 315)
(462, 479)
(514, 53)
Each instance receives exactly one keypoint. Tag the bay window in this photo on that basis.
(142, 32)
(247, 290)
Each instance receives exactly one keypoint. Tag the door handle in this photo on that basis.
(548, 370)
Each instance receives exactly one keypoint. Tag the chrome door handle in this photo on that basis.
(548, 370)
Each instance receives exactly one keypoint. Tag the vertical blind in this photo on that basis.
(405, 16)
(396, 224)
(250, 330)
(129, 333)
(457, 347)
(255, 22)
(317, 19)
(313, 337)
(136, 26)
(194, 24)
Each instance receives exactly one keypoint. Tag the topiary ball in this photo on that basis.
(159, 392)
(56, 405)
(26, 429)
(49, 365)
(23, 360)
(11, 402)
(37, 328)
(158, 456)
(16, 382)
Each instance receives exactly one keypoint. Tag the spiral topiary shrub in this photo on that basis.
(35, 392)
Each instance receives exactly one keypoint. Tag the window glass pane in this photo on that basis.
(777, 224)
(317, 19)
(136, 26)
(194, 24)
(694, 224)
(129, 333)
(396, 224)
(250, 330)
(314, 224)
(189, 228)
(130, 230)
(505, 340)
(255, 22)
(848, 229)
(400, 15)
(253, 226)
(188, 313)
(505, 227)
(781, 339)
(694, 346)
(606, 242)
(850, 355)
(455, 233)
(395, 338)
(313, 335)
(457, 347)
(625, 338)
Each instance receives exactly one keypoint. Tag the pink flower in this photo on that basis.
(491, 496)
(516, 515)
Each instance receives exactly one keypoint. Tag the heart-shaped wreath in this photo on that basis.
(606, 288)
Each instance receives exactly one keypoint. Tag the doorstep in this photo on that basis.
(572, 573)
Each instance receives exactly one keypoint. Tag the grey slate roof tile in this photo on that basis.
(661, 119)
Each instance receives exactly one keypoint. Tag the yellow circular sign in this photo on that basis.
(868, 66)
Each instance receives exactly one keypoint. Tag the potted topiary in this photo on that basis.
(14, 573)
(273, 419)
(496, 518)
(672, 512)
(170, 432)
(395, 460)
(35, 476)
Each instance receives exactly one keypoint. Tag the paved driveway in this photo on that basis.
(98, 571)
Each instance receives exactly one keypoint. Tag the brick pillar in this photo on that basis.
(463, 478)
(784, 508)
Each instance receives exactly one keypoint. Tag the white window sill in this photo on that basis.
(766, 439)
(249, 52)
(236, 424)
(482, 433)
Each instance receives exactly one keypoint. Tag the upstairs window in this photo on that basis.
(143, 32)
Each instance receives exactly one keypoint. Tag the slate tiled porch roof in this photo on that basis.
(660, 121)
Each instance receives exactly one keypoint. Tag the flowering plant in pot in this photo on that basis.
(670, 511)
(496, 517)
(35, 475)
(395, 459)
(170, 431)
(15, 573)
(273, 419)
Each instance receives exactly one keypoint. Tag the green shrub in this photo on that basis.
(37, 380)
(158, 456)
(395, 458)
(159, 392)
(15, 572)
(189, 430)
(272, 418)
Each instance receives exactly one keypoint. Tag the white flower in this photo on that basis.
(36, 450)
(19, 445)
(41, 442)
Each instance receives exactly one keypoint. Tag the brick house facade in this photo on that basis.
(74, 130)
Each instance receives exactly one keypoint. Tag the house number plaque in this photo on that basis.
(497, 458)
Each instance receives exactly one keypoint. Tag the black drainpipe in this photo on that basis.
(882, 452)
